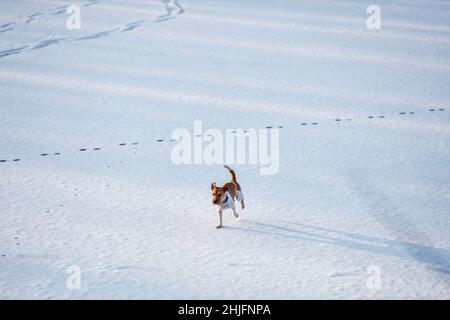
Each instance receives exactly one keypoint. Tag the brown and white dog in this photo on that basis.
(224, 197)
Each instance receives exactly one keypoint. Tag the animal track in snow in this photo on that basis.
(336, 120)
(9, 52)
(63, 9)
(173, 9)
(7, 27)
(33, 17)
(47, 154)
(131, 26)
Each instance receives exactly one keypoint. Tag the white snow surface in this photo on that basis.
(349, 194)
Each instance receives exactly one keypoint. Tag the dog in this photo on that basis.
(224, 197)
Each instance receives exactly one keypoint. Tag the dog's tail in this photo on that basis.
(233, 174)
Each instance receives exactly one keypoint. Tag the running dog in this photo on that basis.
(224, 197)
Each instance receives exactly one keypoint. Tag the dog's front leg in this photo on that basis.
(219, 218)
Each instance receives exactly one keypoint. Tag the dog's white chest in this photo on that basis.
(228, 202)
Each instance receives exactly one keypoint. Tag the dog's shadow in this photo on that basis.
(436, 258)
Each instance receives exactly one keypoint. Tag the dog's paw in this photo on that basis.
(236, 217)
(218, 226)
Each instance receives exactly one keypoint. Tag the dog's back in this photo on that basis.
(234, 188)
(233, 179)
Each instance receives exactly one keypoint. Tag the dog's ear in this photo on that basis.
(213, 185)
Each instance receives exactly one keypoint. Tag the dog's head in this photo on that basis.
(217, 193)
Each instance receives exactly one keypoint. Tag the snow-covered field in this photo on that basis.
(88, 115)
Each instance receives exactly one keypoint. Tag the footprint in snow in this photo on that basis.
(9, 52)
(90, 3)
(60, 10)
(173, 8)
(6, 25)
(131, 26)
(32, 17)
(47, 43)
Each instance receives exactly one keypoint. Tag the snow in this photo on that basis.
(349, 194)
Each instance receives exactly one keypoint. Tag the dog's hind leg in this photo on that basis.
(240, 198)
(236, 215)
